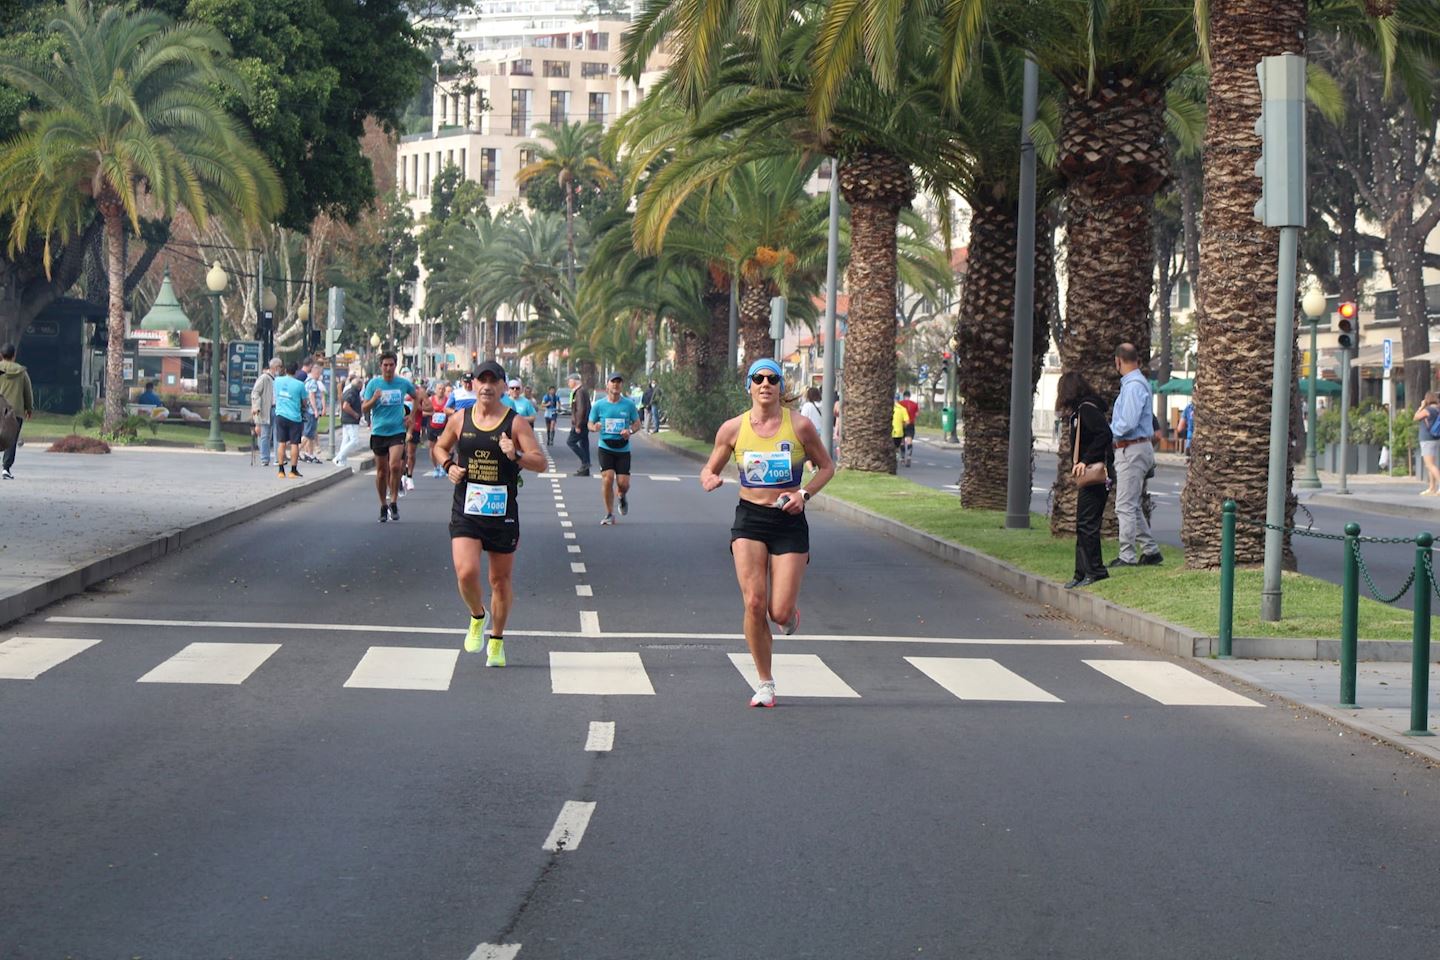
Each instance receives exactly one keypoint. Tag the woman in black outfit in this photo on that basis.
(1078, 401)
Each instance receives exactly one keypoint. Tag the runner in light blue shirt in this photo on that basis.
(615, 418)
(384, 399)
(516, 400)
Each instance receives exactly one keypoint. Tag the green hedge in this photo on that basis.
(694, 412)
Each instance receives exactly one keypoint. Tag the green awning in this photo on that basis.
(1177, 385)
(1323, 387)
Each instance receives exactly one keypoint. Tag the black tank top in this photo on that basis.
(487, 494)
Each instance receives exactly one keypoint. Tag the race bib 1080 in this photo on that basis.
(484, 500)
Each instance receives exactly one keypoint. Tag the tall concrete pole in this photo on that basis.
(1017, 495)
(832, 279)
(1277, 489)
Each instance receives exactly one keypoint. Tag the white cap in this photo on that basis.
(513, 383)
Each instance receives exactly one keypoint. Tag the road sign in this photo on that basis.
(1387, 354)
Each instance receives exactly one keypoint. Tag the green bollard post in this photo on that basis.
(1420, 642)
(1350, 616)
(1227, 577)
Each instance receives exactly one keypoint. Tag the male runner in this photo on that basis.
(290, 405)
(551, 403)
(516, 400)
(463, 396)
(912, 410)
(484, 450)
(384, 399)
(615, 418)
(439, 400)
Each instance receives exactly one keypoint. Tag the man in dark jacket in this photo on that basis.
(15, 387)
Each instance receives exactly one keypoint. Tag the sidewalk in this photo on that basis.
(72, 520)
(1382, 688)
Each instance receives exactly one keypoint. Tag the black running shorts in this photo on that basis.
(380, 445)
(611, 460)
(910, 430)
(433, 433)
(287, 431)
(781, 532)
(492, 539)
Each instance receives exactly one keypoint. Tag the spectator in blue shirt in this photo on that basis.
(148, 397)
(1132, 426)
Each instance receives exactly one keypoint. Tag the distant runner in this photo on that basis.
(436, 424)
(770, 537)
(551, 403)
(484, 450)
(516, 400)
(912, 410)
(384, 399)
(615, 418)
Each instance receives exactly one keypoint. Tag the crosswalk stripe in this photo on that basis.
(229, 663)
(599, 674)
(1170, 683)
(496, 951)
(569, 826)
(980, 679)
(796, 675)
(404, 668)
(25, 658)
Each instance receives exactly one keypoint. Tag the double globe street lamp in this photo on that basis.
(216, 280)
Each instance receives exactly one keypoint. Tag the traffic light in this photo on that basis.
(945, 363)
(1281, 127)
(1349, 325)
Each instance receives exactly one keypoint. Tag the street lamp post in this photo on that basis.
(216, 280)
(1314, 306)
(374, 345)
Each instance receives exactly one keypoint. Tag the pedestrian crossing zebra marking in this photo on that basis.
(404, 668)
(980, 679)
(25, 658)
(599, 674)
(224, 663)
(796, 675)
(1169, 683)
(496, 951)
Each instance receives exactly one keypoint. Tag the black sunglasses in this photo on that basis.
(771, 378)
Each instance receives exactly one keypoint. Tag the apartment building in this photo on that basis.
(532, 68)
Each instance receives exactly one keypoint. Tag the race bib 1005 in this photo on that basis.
(766, 468)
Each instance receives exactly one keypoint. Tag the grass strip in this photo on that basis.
(1186, 597)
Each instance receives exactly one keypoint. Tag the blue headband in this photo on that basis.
(764, 363)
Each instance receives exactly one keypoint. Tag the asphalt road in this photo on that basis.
(1036, 803)
(940, 465)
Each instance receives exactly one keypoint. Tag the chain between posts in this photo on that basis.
(1359, 557)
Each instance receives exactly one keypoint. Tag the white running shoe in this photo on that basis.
(764, 694)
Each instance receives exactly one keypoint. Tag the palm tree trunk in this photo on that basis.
(570, 234)
(986, 338)
(876, 185)
(1238, 270)
(710, 366)
(116, 393)
(1114, 157)
(754, 319)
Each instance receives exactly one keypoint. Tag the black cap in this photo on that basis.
(492, 368)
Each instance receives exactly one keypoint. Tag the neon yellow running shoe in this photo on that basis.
(475, 638)
(495, 656)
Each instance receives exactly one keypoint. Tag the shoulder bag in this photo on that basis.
(1094, 473)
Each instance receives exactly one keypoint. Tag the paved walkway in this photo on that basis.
(72, 520)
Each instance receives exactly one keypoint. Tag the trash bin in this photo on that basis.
(947, 420)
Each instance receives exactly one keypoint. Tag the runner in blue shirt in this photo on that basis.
(551, 403)
(615, 418)
(384, 399)
(516, 400)
(463, 396)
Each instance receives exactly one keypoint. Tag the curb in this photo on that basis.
(31, 599)
(1400, 510)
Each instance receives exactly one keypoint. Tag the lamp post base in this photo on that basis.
(1308, 483)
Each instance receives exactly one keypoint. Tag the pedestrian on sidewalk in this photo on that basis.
(579, 439)
(19, 393)
(1078, 402)
(1427, 415)
(483, 450)
(349, 422)
(650, 407)
(262, 408)
(314, 407)
(899, 418)
(290, 403)
(912, 410)
(770, 537)
(1132, 428)
(615, 418)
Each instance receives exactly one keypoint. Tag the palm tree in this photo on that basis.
(747, 61)
(571, 152)
(130, 114)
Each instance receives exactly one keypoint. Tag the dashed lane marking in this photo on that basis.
(568, 535)
(572, 548)
(602, 736)
(590, 623)
(577, 568)
(569, 826)
(584, 590)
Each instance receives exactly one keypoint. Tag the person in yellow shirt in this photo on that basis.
(770, 538)
(899, 418)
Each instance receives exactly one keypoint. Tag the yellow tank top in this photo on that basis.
(769, 462)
